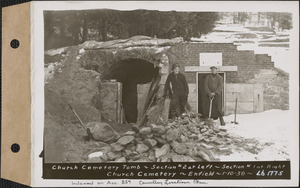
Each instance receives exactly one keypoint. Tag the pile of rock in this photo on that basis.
(183, 140)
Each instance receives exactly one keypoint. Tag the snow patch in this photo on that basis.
(55, 51)
(269, 128)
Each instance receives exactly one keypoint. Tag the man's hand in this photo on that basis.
(212, 94)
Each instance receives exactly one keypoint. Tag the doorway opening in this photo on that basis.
(203, 103)
(130, 73)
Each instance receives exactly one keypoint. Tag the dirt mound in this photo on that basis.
(69, 84)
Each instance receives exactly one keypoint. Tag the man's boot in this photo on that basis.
(222, 120)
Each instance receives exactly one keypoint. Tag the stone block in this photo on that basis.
(239, 88)
(242, 107)
(241, 96)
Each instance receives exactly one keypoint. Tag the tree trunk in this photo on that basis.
(76, 30)
(85, 29)
(104, 29)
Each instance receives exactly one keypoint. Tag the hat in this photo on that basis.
(213, 67)
(175, 65)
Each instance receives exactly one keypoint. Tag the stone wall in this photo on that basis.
(276, 88)
(111, 101)
(248, 63)
(252, 69)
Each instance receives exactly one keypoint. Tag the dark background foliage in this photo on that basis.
(65, 28)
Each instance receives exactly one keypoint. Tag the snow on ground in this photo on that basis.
(266, 134)
(53, 52)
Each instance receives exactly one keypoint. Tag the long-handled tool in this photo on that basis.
(209, 121)
(210, 107)
(81, 123)
(235, 109)
(165, 113)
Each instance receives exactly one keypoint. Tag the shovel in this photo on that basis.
(210, 107)
(81, 123)
(235, 122)
(209, 121)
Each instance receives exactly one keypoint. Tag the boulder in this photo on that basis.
(151, 155)
(131, 146)
(192, 153)
(171, 134)
(193, 136)
(203, 130)
(116, 146)
(145, 130)
(179, 148)
(207, 146)
(185, 121)
(139, 156)
(125, 140)
(128, 153)
(102, 132)
(95, 154)
(162, 151)
(130, 133)
(158, 129)
(141, 148)
(160, 140)
(150, 142)
(204, 154)
(104, 157)
(137, 139)
(167, 157)
(183, 138)
(94, 160)
(148, 136)
(113, 155)
(224, 149)
(121, 160)
(125, 155)
(219, 142)
(216, 129)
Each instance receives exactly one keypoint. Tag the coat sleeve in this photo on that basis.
(186, 86)
(220, 86)
(168, 91)
(207, 91)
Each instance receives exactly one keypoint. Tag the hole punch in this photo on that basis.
(14, 43)
(15, 148)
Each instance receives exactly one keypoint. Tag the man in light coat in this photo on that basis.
(213, 88)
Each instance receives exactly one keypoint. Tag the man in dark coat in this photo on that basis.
(213, 88)
(177, 89)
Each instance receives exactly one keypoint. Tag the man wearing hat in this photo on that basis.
(177, 89)
(213, 88)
